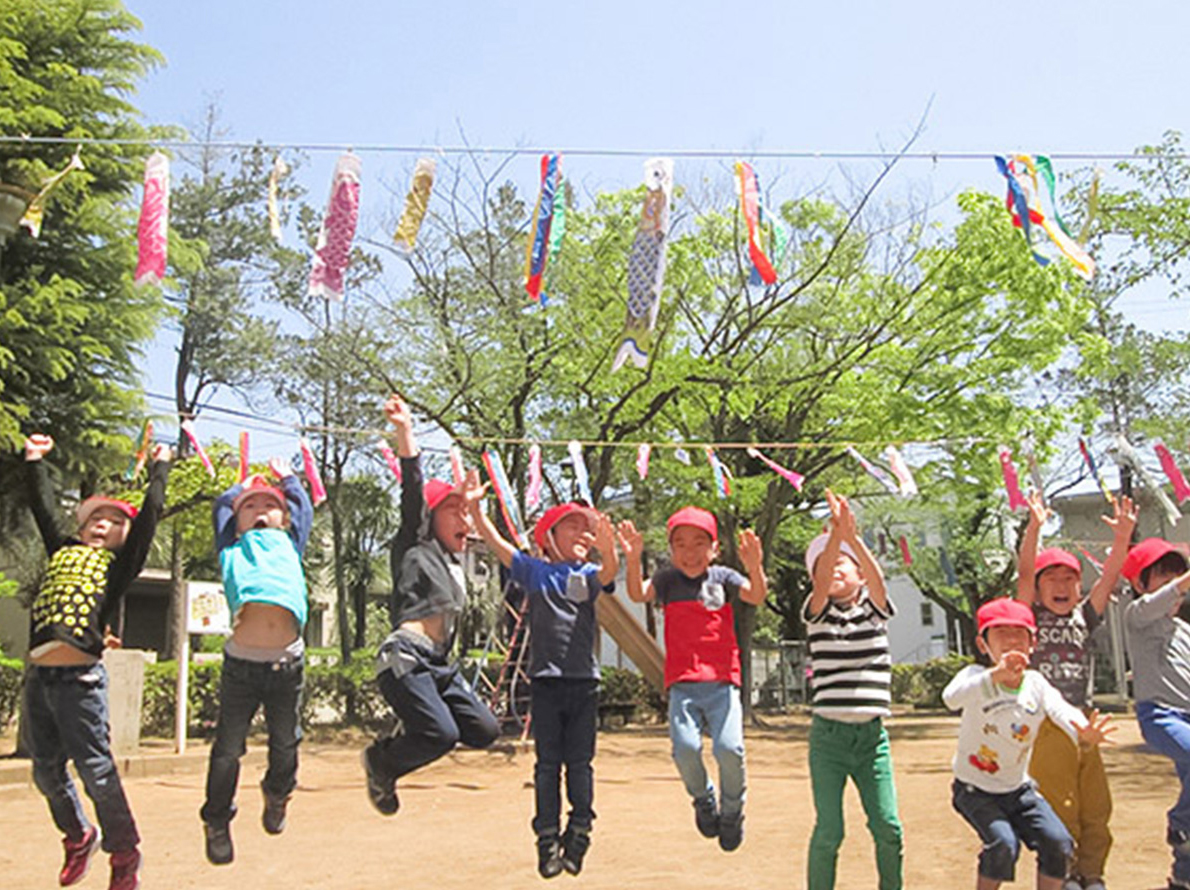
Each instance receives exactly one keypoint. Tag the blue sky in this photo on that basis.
(852, 76)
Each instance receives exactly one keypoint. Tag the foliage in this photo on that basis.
(12, 675)
(621, 686)
(160, 698)
(921, 685)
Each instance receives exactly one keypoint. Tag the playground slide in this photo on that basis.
(615, 618)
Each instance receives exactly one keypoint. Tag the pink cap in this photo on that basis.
(1055, 556)
(695, 517)
(1005, 612)
(556, 514)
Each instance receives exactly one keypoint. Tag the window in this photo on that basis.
(927, 614)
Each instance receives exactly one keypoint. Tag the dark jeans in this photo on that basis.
(65, 716)
(243, 688)
(437, 710)
(564, 716)
(1004, 820)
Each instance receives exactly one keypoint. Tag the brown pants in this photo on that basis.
(1072, 779)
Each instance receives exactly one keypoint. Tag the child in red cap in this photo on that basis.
(1002, 707)
(261, 531)
(702, 657)
(65, 710)
(415, 673)
(1159, 649)
(1070, 778)
(564, 706)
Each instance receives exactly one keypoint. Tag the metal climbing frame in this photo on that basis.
(508, 695)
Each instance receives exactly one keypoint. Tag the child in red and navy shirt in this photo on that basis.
(702, 657)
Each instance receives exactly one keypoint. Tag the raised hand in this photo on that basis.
(280, 467)
(398, 413)
(842, 518)
(751, 551)
(605, 535)
(1010, 670)
(1123, 518)
(1038, 511)
(473, 489)
(162, 452)
(632, 542)
(1097, 730)
(38, 446)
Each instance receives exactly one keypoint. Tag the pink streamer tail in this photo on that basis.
(794, 479)
(1012, 485)
(332, 252)
(317, 489)
(153, 229)
(243, 455)
(642, 459)
(533, 493)
(1180, 489)
(188, 429)
(391, 460)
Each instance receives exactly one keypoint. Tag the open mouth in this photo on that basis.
(261, 522)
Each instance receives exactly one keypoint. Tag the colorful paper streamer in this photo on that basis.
(1180, 489)
(243, 455)
(580, 471)
(1090, 461)
(793, 478)
(35, 213)
(188, 429)
(152, 230)
(748, 190)
(900, 470)
(142, 452)
(317, 489)
(874, 471)
(537, 247)
(332, 251)
(906, 556)
(1016, 500)
(1023, 201)
(533, 491)
(646, 265)
(1126, 454)
(280, 170)
(390, 458)
(682, 456)
(504, 496)
(720, 472)
(643, 451)
(417, 202)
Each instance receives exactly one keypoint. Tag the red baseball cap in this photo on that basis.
(258, 484)
(436, 491)
(556, 514)
(91, 504)
(695, 517)
(1005, 612)
(1056, 556)
(1145, 554)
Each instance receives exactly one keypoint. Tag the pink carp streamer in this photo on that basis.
(317, 489)
(1180, 489)
(332, 252)
(243, 455)
(188, 429)
(906, 556)
(642, 459)
(153, 229)
(900, 470)
(793, 478)
(1016, 500)
(533, 492)
(391, 460)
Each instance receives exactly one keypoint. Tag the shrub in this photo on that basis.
(157, 712)
(622, 686)
(921, 685)
(12, 672)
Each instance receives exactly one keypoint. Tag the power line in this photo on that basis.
(587, 151)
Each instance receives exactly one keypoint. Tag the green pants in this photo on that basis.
(858, 751)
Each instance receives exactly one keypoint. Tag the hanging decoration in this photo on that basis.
(1180, 489)
(332, 251)
(748, 190)
(142, 452)
(1126, 454)
(906, 556)
(537, 247)
(646, 265)
(504, 496)
(581, 477)
(1095, 474)
(279, 171)
(1025, 204)
(1031, 462)
(558, 226)
(390, 458)
(905, 481)
(721, 473)
(794, 479)
(35, 212)
(533, 492)
(153, 229)
(1016, 500)
(642, 460)
(416, 204)
(1091, 559)
(188, 428)
(874, 471)
(317, 489)
(458, 472)
(682, 456)
(243, 455)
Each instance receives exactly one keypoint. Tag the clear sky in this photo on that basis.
(854, 76)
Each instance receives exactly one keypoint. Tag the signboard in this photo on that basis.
(206, 609)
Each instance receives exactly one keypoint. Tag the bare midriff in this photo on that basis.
(63, 655)
(432, 626)
(264, 626)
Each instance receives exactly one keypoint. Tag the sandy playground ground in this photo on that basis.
(464, 822)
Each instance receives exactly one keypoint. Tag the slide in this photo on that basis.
(615, 618)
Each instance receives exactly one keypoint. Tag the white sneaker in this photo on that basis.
(1095, 885)
(1073, 884)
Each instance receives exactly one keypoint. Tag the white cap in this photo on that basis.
(819, 544)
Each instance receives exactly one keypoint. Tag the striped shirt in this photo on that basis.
(849, 659)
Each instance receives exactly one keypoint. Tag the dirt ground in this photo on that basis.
(464, 822)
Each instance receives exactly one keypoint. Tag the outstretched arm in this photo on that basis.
(605, 543)
(632, 543)
(41, 494)
(473, 492)
(1026, 582)
(1122, 521)
(756, 588)
(843, 518)
(301, 511)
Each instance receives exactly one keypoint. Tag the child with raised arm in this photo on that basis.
(415, 672)
(1002, 707)
(1071, 778)
(702, 657)
(261, 531)
(1159, 649)
(846, 619)
(65, 711)
(564, 704)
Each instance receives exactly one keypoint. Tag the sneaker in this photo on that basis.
(1074, 884)
(549, 855)
(78, 857)
(273, 817)
(381, 791)
(125, 870)
(1177, 885)
(706, 815)
(575, 844)
(731, 832)
(1095, 885)
(219, 848)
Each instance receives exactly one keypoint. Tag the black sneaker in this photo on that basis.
(731, 832)
(549, 855)
(273, 817)
(706, 815)
(381, 791)
(219, 848)
(575, 844)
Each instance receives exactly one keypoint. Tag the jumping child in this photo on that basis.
(65, 712)
(702, 657)
(260, 534)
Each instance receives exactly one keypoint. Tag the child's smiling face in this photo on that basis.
(845, 579)
(572, 537)
(1059, 588)
(692, 550)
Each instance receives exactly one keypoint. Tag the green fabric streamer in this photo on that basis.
(1047, 173)
(558, 226)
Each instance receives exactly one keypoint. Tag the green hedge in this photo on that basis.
(12, 670)
(622, 686)
(921, 685)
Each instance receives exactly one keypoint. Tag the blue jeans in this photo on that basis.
(1003, 821)
(715, 708)
(65, 716)
(1167, 730)
(565, 714)
(243, 688)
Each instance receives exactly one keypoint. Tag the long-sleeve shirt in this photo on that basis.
(999, 726)
(264, 565)
(83, 585)
(1159, 648)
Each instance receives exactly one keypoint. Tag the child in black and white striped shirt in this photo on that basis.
(846, 619)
